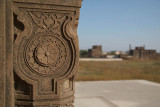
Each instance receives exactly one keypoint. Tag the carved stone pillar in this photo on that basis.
(45, 52)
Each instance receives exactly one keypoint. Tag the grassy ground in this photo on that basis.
(125, 70)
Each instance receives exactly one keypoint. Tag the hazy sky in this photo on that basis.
(115, 24)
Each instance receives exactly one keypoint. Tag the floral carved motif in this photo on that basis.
(47, 22)
(46, 54)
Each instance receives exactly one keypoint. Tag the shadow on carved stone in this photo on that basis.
(23, 92)
(18, 26)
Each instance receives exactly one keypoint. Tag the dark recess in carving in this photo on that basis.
(15, 37)
(19, 25)
(23, 92)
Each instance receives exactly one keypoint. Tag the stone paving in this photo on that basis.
(125, 93)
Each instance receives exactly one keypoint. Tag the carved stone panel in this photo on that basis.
(46, 52)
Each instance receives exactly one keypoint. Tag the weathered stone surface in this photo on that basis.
(74, 3)
(142, 53)
(40, 52)
(2, 54)
(95, 52)
(6, 53)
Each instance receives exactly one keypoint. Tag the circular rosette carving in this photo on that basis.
(47, 54)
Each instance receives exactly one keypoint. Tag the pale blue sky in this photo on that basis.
(115, 24)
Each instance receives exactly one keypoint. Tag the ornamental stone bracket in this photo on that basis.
(40, 52)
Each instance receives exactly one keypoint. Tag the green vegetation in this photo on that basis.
(125, 70)
(83, 53)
